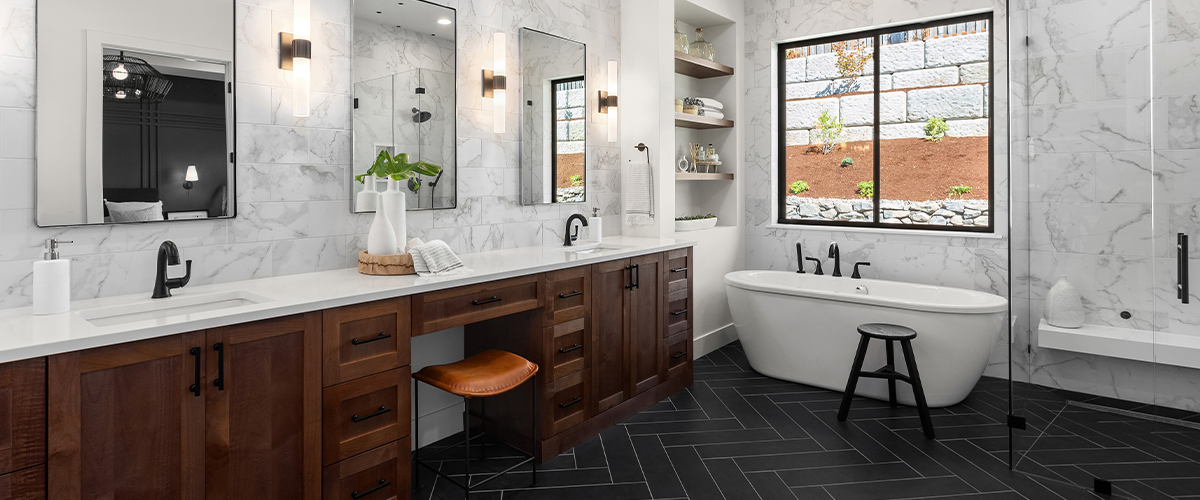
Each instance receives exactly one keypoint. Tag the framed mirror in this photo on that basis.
(553, 119)
(135, 111)
(404, 67)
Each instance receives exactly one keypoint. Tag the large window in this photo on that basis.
(889, 128)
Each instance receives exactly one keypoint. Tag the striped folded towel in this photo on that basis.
(435, 259)
(704, 102)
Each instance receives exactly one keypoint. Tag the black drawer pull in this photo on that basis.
(219, 383)
(680, 270)
(679, 355)
(383, 483)
(381, 336)
(486, 301)
(677, 313)
(573, 401)
(569, 295)
(195, 388)
(382, 409)
(564, 350)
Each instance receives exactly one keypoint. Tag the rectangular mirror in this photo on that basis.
(404, 96)
(553, 119)
(135, 111)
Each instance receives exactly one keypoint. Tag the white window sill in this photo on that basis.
(878, 230)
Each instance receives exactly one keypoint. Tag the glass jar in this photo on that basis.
(701, 48)
(681, 40)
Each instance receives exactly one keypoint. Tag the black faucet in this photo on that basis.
(799, 259)
(567, 236)
(818, 263)
(836, 255)
(856, 275)
(168, 255)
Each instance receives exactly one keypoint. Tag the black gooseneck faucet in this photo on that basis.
(168, 255)
(567, 236)
(836, 255)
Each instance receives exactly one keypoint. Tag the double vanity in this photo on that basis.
(299, 386)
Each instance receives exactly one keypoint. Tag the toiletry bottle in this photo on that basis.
(711, 153)
(52, 281)
(594, 227)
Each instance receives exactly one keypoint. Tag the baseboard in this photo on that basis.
(711, 341)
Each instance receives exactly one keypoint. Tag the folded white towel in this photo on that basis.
(712, 114)
(436, 259)
(639, 194)
(704, 102)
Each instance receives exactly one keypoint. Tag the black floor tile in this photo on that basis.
(903, 488)
(697, 481)
(730, 479)
(821, 476)
(769, 486)
(660, 474)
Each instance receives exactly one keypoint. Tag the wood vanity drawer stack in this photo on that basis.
(678, 330)
(444, 309)
(568, 349)
(23, 429)
(366, 400)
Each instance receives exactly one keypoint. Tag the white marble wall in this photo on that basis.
(293, 207)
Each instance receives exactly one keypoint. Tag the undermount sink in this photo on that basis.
(178, 307)
(587, 248)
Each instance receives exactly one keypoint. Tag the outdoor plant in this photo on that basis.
(960, 190)
(847, 161)
(852, 58)
(799, 187)
(696, 217)
(576, 180)
(866, 189)
(935, 129)
(398, 168)
(828, 133)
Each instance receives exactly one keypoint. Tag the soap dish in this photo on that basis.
(385, 265)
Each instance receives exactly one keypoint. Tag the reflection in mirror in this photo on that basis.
(404, 95)
(135, 111)
(553, 119)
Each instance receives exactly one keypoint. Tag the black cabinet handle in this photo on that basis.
(637, 273)
(486, 301)
(564, 350)
(195, 388)
(677, 313)
(381, 336)
(382, 409)
(630, 285)
(680, 270)
(1182, 257)
(219, 383)
(569, 295)
(383, 483)
(679, 355)
(573, 401)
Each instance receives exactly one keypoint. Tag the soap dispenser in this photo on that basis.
(594, 228)
(52, 281)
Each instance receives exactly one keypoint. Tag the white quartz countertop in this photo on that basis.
(24, 336)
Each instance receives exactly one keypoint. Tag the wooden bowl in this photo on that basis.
(385, 265)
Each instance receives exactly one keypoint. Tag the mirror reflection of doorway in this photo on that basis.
(567, 139)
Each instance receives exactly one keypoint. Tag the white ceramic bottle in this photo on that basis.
(52, 281)
(381, 240)
(595, 231)
(367, 200)
(392, 201)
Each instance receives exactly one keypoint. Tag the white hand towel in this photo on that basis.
(712, 114)
(639, 194)
(436, 259)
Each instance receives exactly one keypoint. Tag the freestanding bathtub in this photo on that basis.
(803, 328)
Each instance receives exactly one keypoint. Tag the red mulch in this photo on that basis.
(912, 169)
(568, 165)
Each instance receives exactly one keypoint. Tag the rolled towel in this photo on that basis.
(703, 102)
(436, 259)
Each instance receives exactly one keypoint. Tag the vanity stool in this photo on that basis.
(488, 373)
(888, 333)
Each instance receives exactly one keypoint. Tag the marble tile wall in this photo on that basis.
(293, 206)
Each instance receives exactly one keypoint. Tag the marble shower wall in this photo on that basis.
(293, 173)
(974, 263)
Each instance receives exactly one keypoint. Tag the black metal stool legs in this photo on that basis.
(891, 366)
(533, 427)
(918, 390)
(467, 456)
(852, 384)
(416, 471)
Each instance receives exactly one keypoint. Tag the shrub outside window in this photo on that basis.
(889, 128)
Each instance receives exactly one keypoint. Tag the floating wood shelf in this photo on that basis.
(681, 176)
(696, 67)
(701, 122)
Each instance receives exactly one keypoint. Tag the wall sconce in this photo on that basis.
(295, 55)
(608, 102)
(494, 82)
(190, 177)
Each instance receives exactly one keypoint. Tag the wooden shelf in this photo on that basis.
(696, 67)
(680, 176)
(701, 122)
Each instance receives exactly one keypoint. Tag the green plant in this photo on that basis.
(576, 180)
(696, 217)
(847, 161)
(960, 190)
(397, 168)
(828, 132)
(852, 58)
(935, 129)
(866, 189)
(799, 187)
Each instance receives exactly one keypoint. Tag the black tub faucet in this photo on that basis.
(567, 236)
(856, 275)
(836, 255)
(818, 263)
(799, 259)
(168, 255)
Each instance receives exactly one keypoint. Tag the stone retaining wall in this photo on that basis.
(936, 213)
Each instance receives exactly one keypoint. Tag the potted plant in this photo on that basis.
(694, 222)
(390, 217)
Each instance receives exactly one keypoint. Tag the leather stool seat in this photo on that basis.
(485, 374)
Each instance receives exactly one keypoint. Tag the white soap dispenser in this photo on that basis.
(594, 228)
(52, 281)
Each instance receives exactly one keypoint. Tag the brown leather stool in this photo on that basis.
(488, 373)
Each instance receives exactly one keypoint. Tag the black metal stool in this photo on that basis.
(488, 373)
(888, 333)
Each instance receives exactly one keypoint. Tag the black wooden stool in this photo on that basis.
(888, 333)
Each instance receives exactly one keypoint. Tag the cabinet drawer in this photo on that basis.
(364, 413)
(679, 267)
(28, 484)
(364, 340)
(469, 304)
(566, 403)
(567, 348)
(679, 317)
(568, 294)
(22, 414)
(678, 353)
(380, 474)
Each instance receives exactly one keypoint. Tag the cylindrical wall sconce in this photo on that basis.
(495, 82)
(608, 101)
(295, 54)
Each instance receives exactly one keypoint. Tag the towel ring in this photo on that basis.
(643, 147)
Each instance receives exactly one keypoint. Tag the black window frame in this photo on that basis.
(876, 222)
(554, 130)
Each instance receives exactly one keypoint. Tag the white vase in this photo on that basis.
(1064, 308)
(382, 238)
(392, 201)
(367, 200)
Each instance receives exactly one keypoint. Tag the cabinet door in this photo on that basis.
(646, 323)
(610, 334)
(127, 421)
(264, 410)
(22, 414)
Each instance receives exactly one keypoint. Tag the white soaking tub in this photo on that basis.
(803, 328)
